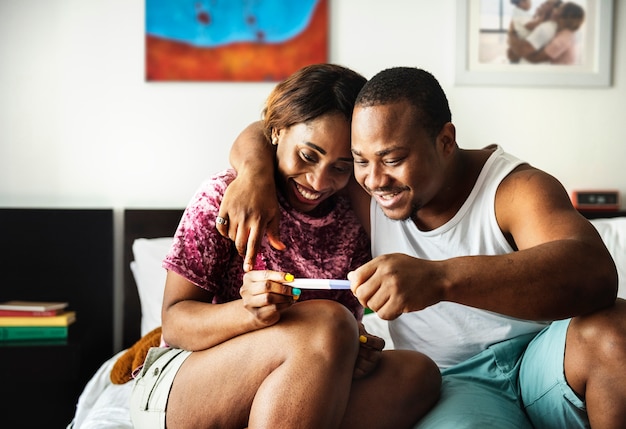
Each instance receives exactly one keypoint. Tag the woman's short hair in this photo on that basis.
(312, 91)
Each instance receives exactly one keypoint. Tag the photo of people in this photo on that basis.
(547, 32)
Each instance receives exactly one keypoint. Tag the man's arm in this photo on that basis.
(250, 203)
(561, 267)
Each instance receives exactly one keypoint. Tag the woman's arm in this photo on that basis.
(250, 203)
(192, 322)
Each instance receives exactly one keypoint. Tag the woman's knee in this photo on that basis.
(322, 325)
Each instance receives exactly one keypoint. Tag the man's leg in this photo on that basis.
(402, 388)
(595, 364)
(547, 398)
(573, 373)
(482, 391)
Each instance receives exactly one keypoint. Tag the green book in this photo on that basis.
(18, 333)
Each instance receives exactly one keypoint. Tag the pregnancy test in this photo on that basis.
(320, 284)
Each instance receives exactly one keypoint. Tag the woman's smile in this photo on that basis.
(306, 195)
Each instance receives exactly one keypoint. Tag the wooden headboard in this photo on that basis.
(141, 223)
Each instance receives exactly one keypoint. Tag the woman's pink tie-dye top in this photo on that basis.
(317, 247)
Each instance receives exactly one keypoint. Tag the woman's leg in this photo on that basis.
(297, 373)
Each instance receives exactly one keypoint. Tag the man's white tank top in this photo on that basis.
(448, 332)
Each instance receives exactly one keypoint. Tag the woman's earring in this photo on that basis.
(275, 141)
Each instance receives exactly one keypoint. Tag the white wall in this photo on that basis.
(80, 127)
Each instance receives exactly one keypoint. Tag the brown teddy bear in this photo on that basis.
(134, 357)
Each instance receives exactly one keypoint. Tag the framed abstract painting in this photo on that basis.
(233, 40)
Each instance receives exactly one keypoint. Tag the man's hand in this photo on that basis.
(250, 209)
(396, 283)
(265, 296)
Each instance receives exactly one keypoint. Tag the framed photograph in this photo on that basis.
(534, 42)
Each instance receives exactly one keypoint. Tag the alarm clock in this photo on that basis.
(605, 200)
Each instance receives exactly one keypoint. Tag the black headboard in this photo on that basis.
(141, 223)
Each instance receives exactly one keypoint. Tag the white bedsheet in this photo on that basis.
(103, 404)
(613, 233)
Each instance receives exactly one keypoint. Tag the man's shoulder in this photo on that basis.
(524, 184)
(523, 172)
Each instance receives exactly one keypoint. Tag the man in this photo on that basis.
(480, 261)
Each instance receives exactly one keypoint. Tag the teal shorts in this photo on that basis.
(518, 383)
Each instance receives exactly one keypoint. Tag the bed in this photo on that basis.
(147, 237)
(103, 404)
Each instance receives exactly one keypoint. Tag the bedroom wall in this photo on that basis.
(79, 126)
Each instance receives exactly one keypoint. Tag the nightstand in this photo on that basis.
(68, 256)
(41, 383)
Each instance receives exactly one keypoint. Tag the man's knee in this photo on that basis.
(601, 332)
(595, 342)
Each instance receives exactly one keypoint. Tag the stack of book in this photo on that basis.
(31, 320)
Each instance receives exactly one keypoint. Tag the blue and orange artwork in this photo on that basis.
(233, 40)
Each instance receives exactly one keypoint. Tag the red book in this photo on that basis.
(28, 313)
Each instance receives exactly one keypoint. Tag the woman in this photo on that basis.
(248, 350)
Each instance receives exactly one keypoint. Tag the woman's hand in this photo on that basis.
(369, 353)
(265, 296)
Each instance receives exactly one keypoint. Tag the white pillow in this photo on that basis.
(613, 233)
(150, 278)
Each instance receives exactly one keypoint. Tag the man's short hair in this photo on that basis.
(418, 87)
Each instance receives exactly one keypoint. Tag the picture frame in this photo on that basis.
(234, 40)
(481, 48)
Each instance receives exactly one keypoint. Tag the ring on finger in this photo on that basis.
(221, 221)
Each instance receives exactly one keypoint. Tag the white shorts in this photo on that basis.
(152, 387)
